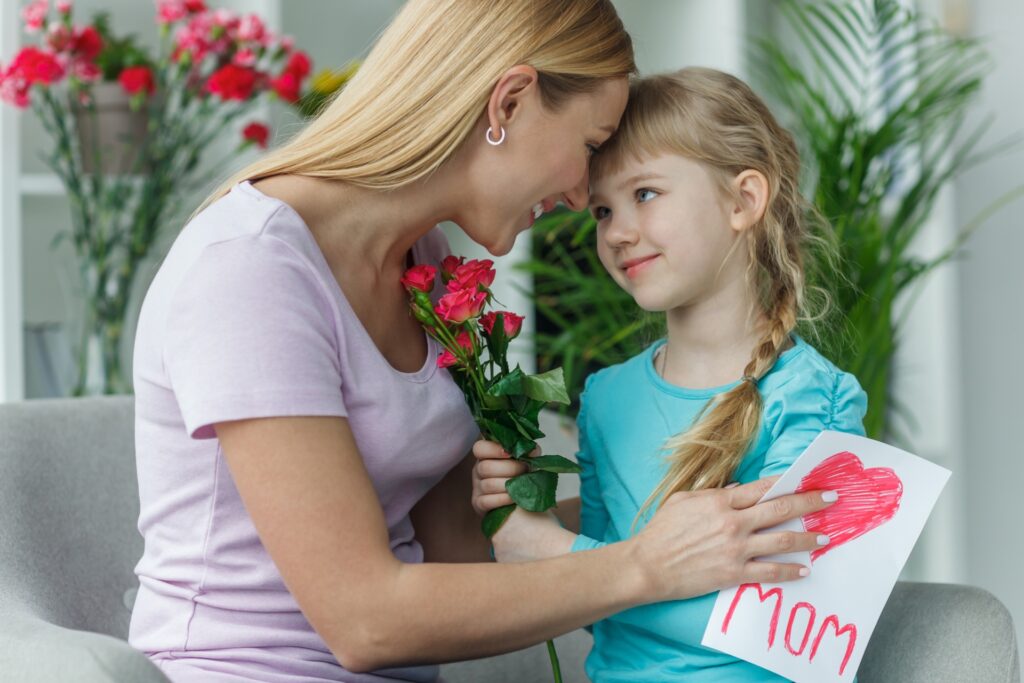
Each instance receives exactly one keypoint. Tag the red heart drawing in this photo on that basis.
(868, 498)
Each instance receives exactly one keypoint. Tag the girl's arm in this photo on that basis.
(306, 489)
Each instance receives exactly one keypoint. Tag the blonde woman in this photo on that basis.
(304, 465)
(699, 216)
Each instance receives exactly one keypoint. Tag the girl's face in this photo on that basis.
(543, 160)
(667, 233)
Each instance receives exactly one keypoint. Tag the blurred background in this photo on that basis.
(953, 394)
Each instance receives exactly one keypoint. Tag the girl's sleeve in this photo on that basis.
(803, 408)
(593, 514)
(250, 334)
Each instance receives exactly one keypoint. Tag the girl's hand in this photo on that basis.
(701, 541)
(493, 468)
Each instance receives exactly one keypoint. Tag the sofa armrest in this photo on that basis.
(35, 651)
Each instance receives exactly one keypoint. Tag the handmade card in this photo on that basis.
(816, 629)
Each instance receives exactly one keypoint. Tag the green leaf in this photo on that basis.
(508, 438)
(549, 386)
(553, 463)
(509, 385)
(534, 491)
(495, 518)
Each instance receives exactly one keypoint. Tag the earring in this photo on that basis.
(499, 140)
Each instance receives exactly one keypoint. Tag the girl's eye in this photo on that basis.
(591, 150)
(644, 194)
(601, 212)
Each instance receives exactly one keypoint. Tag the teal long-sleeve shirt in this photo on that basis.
(628, 412)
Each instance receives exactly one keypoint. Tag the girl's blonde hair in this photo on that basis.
(427, 80)
(717, 120)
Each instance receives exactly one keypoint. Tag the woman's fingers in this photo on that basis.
(772, 572)
(746, 495)
(771, 512)
(776, 542)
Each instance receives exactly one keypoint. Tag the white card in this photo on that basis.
(815, 630)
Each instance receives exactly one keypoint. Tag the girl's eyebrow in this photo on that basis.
(638, 177)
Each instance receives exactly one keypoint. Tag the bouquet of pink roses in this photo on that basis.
(505, 402)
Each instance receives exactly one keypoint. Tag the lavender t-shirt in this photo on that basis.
(245, 320)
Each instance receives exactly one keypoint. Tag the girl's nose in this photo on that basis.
(620, 231)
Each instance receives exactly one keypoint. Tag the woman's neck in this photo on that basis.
(373, 228)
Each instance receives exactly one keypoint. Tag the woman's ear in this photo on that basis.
(750, 188)
(508, 96)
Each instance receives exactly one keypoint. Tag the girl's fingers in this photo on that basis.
(491, 501)
(483, 450)
(772, 572)
(493, 485)
(499, 468)
(777, 542)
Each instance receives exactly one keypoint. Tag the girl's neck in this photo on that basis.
(712, 341)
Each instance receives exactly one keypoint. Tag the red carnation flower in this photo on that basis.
(137, 78)
(232, 82)
(258, 133)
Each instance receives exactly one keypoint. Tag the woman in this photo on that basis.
(300, 454)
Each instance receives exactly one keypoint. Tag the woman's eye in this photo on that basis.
(601, 212)
(644, 195)
(591, 150)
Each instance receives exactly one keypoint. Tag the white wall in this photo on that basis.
(991, 299)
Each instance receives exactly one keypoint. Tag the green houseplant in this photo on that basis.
(878, 98)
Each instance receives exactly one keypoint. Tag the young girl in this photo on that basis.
(699, 216)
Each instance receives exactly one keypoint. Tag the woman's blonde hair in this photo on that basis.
(427, 80)
(717, 120)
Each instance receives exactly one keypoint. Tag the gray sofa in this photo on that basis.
(68, 545)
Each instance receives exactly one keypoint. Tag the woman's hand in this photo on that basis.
(701, 541)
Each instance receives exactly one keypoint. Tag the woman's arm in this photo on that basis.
(445, 523)
(311, 500)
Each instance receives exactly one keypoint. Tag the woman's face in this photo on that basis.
(542, 161)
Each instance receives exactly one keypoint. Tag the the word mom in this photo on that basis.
(830, 621)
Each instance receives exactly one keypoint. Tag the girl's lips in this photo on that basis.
(634, 266)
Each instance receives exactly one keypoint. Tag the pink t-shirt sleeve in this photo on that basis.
(251, 333)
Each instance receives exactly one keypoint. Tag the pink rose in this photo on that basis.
(460, 306)
(419, 277)
(471, 275)
(448, 359)
(450, 263)
(512, 322)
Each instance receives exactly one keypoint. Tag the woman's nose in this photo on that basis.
(576, 198)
